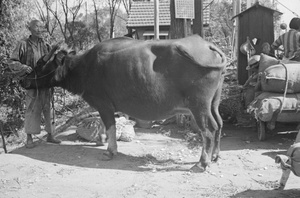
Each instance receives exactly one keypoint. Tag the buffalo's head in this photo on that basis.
(43, 75)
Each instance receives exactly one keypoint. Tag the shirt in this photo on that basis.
(290, 42)
(28, 52)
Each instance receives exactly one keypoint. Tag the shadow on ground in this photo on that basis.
(85, 154)
(74, 151)
(291, 193)
(91, 157)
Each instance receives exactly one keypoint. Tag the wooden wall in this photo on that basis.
(256, 22)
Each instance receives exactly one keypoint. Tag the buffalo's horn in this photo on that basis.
(50, 54)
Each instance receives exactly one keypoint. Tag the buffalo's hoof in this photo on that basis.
(215, 158)
(279, 187)
(107, 156)
(30, 145)
(197, 169)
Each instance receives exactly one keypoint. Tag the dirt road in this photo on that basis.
(155, 164)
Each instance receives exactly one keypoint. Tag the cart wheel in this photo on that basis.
(261, 130)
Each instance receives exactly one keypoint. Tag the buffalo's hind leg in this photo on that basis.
(106, 111)
(207, 127)
(218, 119)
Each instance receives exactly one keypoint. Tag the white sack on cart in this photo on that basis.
(264, 106)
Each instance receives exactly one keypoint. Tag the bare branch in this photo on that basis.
(96, 21)
(127, 5)
(114, 6)
(40, 10)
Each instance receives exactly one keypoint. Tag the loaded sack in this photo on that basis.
(281, 77)
(265, 105)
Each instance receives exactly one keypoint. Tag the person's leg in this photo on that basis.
(48, 116)
(32, 117)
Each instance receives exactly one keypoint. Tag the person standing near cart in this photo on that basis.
(290, 41)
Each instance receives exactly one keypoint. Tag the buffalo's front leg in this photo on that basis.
(110, 126)
(106, 111)
(112, 148)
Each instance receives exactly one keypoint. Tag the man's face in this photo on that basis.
(36, 28)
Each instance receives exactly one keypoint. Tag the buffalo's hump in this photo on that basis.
(193, 48)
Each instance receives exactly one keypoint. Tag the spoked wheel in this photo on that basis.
(261, 130)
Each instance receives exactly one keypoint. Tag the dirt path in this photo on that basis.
(155, 164)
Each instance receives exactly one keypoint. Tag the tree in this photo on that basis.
(113, 6)
(70, 14)
(81, 35)
(45, 16)
(221, 26)
(108, 15)
(120, 24)
(127, 5)
(13, 17)
(96, 21)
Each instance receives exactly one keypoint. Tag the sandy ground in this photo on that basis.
(155, 164)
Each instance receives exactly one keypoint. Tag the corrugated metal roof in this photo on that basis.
(142, 13)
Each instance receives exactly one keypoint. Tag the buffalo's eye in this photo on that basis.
(63, 61)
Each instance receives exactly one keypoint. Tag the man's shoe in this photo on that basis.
(51, 139)
(29, 143)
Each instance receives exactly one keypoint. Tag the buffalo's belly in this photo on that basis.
(150, 106)
(149, 112)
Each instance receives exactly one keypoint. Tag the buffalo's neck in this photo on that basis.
(74, 79)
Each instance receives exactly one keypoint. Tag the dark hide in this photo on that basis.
(149, 80)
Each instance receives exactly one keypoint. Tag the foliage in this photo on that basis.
(82, 35)
(231, 106)
(221, 24)
(120, 24)
(109, 20)
(13, 16)
(12, 105)
(100, 29)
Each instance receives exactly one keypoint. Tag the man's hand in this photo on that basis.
(27, 69)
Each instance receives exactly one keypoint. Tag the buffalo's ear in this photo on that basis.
(73, 52)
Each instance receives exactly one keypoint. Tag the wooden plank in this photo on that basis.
(2, 136)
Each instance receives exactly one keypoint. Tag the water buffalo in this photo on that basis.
(149, 80)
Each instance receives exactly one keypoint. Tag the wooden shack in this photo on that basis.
(255, 22)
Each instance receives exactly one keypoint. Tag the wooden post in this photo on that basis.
(156, 19)
(184, 27)
(198, 20)
(236, 11)
(177, 28)
(2, 136)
